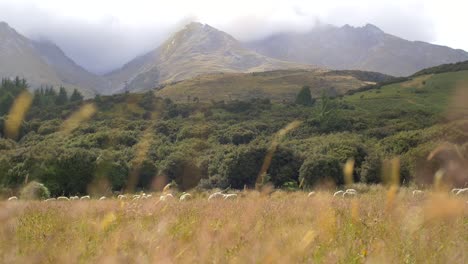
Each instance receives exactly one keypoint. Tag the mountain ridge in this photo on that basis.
(365, 48)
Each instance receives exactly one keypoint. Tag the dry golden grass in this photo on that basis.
(277, 228)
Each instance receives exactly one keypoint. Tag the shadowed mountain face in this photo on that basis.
(363, 48)
(195, 50)
(42, 63)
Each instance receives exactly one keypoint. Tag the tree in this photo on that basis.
(76, 96)
(320, 168)
(62, 97)
(304, 97)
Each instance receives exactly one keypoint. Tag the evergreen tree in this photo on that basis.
(304, 97)
(62, 97)
(76, 96)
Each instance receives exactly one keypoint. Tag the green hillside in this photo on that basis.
(279, 86)
(141, 140)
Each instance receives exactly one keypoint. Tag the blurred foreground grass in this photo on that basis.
(280, 227)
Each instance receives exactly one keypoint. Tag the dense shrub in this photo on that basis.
(34, 191)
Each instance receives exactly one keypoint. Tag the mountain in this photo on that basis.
(194, 50)
(42, 63)
(278, 85)
(365, 48)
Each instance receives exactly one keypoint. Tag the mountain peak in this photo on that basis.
(372, 28)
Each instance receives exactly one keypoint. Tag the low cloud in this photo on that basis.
(109, 40)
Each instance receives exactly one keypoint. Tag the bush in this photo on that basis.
(34, 191)
(320, 168)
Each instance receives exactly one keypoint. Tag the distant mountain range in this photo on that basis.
(200, 49)
(365, 48)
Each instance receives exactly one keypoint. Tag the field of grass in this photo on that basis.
(432, 93)
(379, 225)
(276, 85)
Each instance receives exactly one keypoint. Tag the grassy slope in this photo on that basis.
(433, 93)
(276, 85)
(282, 228)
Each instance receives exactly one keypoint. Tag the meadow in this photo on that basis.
(379, 225)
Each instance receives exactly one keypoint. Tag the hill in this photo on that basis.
(42, 63)
(279, 85)
(194, 50)
(365, 48)
(221, 144)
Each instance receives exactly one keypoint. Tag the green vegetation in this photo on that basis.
(147, 139)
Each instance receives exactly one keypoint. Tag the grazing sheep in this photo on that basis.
(455, 190)
(338, 192)
(230, 196)
(87, 197)
(102, 198)
(121, 197)
(417, 193)
(74, 198)
(311, 194)
(13, 198)
(185, 197)
(216, 195)
(351, 191)
(462, 191)
(62, 198)
(136, 197)
(166, 197)
(149, 196)
(50, 200)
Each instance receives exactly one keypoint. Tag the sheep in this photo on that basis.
(149, 196)
(462, 191)
(121, 197)
(62, 198)
(216, 195)
(349, 194)
(185, 197)
(50, 200)
(166, 197)
(74, 198)
(230, 196)
(13, 198)
(102, 198)
(351, 191)
(338, 192)
(455, 190)
(311, 194)
(417, 193)
(87, 197)
(136, 197)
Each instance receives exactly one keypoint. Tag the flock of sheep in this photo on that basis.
(217, 195)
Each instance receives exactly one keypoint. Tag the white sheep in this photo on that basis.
(50, 200)
(121, 197)
(338, 193)
(311, 194)
(185, 197)
(166, 197)
(455, 190)
(216, 195)
(13, 198)
(136, 197)
(62, 198)
(462, 191)
(87, 197)
(74, 198)
(102, 198)
(417, 193)
(230, 196)
(351, 191)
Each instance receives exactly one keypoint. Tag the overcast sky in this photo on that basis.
(104, 34)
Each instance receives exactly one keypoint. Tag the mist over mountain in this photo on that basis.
(362, 48)
(194, 50)
(42, 63)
